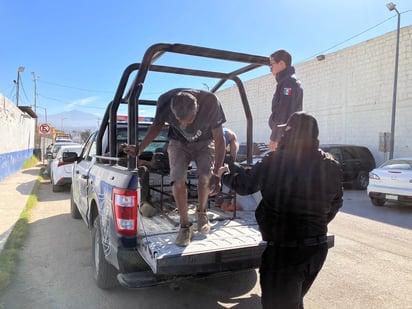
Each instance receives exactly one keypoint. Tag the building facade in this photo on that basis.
(349, 92)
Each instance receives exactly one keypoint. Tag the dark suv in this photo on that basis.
(257, 150)
(356, 163)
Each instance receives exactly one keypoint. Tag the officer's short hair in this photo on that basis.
(183, 105)
(282, 54)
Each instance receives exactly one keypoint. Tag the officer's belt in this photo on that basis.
(306, 242)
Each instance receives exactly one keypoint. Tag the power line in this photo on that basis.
(12, 92)
(76, 88)
(89, 90)
(356, 35)
(24, 91)
(50, 98)
(66, 102)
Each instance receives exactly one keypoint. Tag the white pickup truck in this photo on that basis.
(139, 251)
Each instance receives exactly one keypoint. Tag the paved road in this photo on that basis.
(369, 267)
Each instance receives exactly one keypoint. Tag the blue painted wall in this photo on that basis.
(17, 137)
(13, 161)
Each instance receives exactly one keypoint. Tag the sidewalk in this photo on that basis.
(15, 191)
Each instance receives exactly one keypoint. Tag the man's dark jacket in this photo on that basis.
(288, 97)
(301, 192)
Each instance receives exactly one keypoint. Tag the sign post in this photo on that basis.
(44, 128)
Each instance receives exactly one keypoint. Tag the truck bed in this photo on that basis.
(232, 243)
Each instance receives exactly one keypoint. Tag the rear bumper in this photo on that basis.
(147, 279)
(64, 181)
(195, 266)
(128, 260)
(400, 198)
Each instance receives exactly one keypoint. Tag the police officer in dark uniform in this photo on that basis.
(301, 190)
(288, 97)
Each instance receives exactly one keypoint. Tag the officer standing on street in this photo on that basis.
(288, 96)
(301, 190)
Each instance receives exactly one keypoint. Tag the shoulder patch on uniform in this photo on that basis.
(287, 91)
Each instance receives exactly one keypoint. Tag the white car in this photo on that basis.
(391, 182)
(52, 151)
(61, 172)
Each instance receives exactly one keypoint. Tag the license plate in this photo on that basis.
(391, 197)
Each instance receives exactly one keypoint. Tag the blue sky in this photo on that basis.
(79, 49)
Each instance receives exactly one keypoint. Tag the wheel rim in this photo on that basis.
(363, 180)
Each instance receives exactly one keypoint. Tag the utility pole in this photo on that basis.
(20, 70)
(62, 124)
(392, 7)
(45, 113)
(38, 138)
(35, 90)
(35, 96)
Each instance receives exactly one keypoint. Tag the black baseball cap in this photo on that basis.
(303, 125)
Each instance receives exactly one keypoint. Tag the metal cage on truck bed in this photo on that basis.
(131, 96)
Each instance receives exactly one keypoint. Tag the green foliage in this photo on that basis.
(85, 134)
(32, 162)
(10, 253)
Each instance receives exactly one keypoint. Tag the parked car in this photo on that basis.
(256, 158)
(52, 150)
(63, 139)
(356, 163)
(61, 172)
(391, 182)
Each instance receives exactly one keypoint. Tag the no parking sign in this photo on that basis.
(44, 128)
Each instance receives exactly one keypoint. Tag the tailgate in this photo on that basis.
(232, 244)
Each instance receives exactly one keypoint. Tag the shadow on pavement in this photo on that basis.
(26, 188)
(32, 171)
(57, 255)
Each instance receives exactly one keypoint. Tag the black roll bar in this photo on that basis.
(152, 54)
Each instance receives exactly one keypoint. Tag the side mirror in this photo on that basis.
(69, 157)
(49, 155)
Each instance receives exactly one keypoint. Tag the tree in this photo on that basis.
(85, 134)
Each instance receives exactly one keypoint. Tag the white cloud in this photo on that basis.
(80, 103)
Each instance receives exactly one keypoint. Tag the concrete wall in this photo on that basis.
(349, 92)
(17, 137)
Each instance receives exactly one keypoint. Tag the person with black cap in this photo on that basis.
(301, 189)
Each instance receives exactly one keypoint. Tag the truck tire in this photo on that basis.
(104, 274)
(55, 188)
(74, 211)
(377, 201)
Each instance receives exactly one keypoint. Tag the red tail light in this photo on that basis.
(60, 162)
(125, 211)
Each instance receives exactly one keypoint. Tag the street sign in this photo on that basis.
(44, 128)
